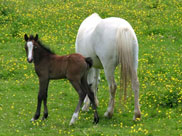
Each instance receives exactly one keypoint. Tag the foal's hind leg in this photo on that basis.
(82, 94)
(90, 94)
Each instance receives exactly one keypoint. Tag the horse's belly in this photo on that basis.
(85, 48)
(97, 63)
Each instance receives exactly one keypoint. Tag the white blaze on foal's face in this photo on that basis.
(30, 50)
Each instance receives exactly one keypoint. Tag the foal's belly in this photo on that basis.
(57, 75)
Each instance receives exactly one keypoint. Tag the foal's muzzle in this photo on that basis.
(30, 60)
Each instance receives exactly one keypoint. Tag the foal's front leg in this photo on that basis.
(42, 95)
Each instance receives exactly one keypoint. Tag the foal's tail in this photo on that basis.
(89, 61)
(127, 46)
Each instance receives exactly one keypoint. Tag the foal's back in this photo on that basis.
(67, 66)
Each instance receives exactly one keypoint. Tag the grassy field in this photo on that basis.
(158, 25)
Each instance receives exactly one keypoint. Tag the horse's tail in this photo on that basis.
(127, 46)
(89, 61)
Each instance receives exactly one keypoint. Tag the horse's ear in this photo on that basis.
(26, 37)
(36, 37)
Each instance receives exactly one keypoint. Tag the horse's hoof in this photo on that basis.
(108, 114)
(137, 116)
(71, 123)
(97, 102)
(85, 108)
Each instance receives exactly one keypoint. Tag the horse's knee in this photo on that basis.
(113, 88)
(135, 83)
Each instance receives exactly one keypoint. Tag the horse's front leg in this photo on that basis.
(42, 95)
(93, 80)
(109, 72)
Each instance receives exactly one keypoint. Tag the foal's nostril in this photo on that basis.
(29, 60)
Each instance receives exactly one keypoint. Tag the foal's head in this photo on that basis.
(30, 46)
(35, 49)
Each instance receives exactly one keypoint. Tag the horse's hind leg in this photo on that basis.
(82, 94)
(109, 72)
(86, 104)
(135, 87)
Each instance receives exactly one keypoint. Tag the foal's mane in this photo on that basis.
(41, 45)
(45, 47)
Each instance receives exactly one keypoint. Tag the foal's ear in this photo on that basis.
(36, 37)
(26, 37)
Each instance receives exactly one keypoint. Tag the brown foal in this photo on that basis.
(48, 66)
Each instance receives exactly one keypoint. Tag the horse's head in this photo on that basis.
(30, 46)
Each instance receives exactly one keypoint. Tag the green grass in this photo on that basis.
(158, 27)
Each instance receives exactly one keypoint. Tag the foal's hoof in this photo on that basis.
(35, 117)
(45, 116)
(32, 120)
(96, 120)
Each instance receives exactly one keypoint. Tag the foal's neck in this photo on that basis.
(41, 55)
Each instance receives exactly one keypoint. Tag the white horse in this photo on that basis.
(110, 42)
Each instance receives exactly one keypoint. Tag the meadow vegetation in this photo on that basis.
(158, 25)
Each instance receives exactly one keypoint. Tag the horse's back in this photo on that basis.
(97, 38)
(107, 28)
(104, 38)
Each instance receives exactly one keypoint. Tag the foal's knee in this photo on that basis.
(82, 95)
